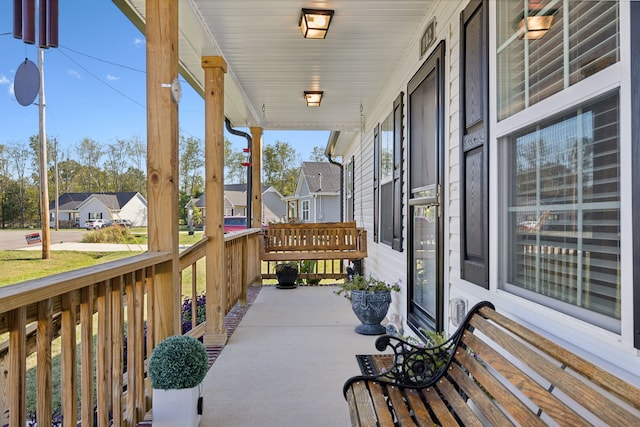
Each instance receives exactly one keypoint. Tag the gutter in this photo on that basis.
(236, 132)
(331, 145)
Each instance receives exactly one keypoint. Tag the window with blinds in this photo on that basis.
(583, 39)
(562, 189)
(386, 180)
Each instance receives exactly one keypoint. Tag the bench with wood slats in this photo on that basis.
(492, 371)
(314, 241)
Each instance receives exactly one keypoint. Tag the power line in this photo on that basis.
(102, 81)
(126, 67)
(62, 50)
(182, 130)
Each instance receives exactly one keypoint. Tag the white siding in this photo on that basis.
(94, 207)
(603, 347)
(135, 211)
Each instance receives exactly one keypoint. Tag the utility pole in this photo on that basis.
(44, 176)
(55, 168)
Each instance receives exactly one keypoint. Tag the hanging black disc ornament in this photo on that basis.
(27, 83)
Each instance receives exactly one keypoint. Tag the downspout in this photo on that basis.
(331, 145)
(236, 132)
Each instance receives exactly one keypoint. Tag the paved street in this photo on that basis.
(15, 239)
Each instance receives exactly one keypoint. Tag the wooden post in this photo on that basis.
(17, 367)
(162, 159)
(256, 181)
(214, 69)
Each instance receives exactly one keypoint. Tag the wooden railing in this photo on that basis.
(103, 316)
(242, 267)
(91, 310)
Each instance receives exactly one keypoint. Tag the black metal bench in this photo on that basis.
(491, 371)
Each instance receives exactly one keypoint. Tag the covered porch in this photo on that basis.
(286, 362)
(382, 65)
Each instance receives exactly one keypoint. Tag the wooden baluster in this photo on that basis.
(104, 366)
(69, 378)
(138, 346)
(87, 363)
(149, 286)
(44, 410)
(17, 367)
(117, 330)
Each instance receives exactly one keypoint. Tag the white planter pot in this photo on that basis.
(173, 408)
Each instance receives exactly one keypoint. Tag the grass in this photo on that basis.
(19, 266)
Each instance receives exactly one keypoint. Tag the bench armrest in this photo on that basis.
(416, 366)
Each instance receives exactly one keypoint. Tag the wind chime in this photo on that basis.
(24, 22)
(27, 78)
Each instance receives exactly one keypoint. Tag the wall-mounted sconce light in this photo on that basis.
(313, 97)
(314, 23)
(535, 23)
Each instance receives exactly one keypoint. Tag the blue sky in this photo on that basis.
(95, 84)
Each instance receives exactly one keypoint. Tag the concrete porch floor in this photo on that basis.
(286, 362)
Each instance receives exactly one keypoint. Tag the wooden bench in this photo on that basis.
(492, 371)
(322, 243)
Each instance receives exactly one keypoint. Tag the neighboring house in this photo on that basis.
(67, 208)
(75, 209)
(235, 203)
(273, 206)
(317, 196)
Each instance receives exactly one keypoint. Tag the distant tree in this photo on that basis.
(118, 155)
(234, 171)
(19, 159)
(183, 199)
(191, 163)
(278, 170)
(4, 184)
(139, 157)
(12, 211)
(317, 155)
(70, 176)
(89, 155)
(131, 180)
(197, 216)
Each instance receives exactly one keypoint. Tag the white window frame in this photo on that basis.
(616, 76)
(305, 211)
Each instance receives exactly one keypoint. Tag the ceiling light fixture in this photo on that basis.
(313, 97)
(314, 23)
(535, 23)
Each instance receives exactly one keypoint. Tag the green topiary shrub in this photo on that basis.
(178, 362)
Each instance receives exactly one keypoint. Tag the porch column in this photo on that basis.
(256, 179)
(162, 160)
(214, 69)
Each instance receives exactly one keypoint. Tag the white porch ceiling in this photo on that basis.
(270, 64)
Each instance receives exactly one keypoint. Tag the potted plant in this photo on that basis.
(370, 299)
(287, 273)
(308, 266)
(177, 366)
